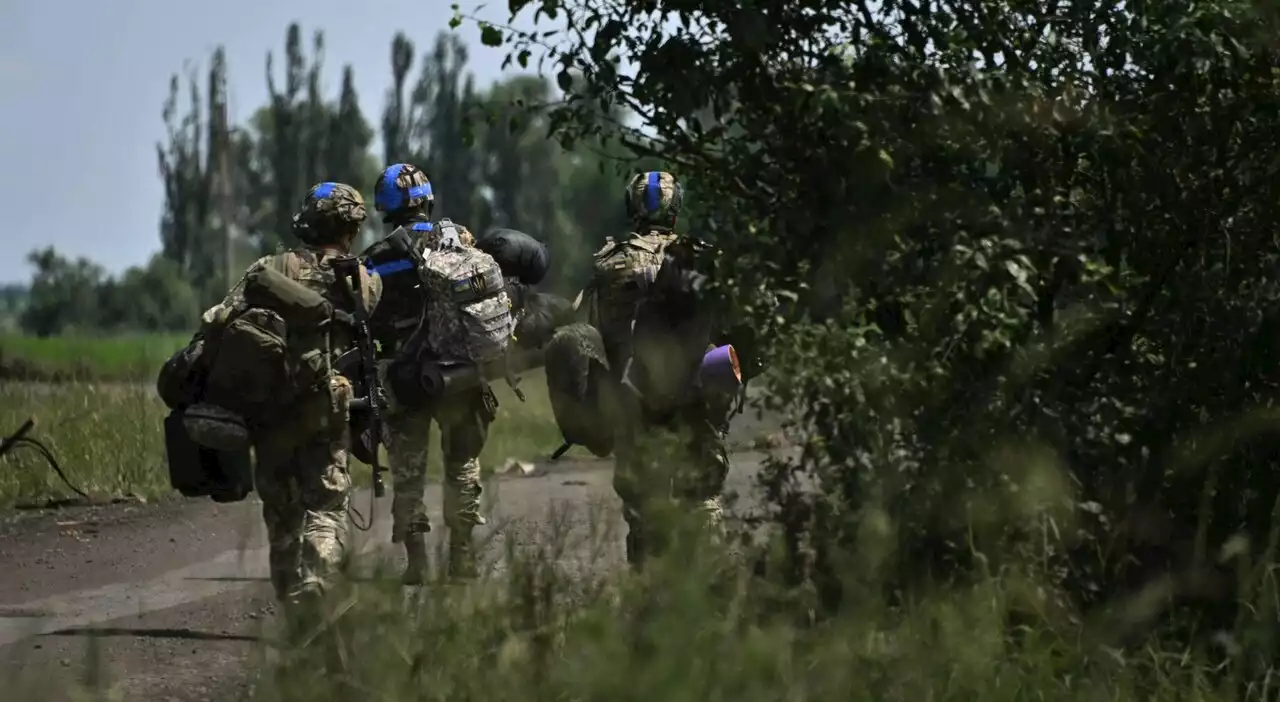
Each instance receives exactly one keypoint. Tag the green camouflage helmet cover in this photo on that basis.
(654, 198)
(327, 213)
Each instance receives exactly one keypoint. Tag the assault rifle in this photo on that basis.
(348, 267)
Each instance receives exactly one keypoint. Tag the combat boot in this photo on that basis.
(415, 548)
(462, 557)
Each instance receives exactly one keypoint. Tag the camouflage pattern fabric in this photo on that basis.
(468, 311)
(677, 463)
(327, 212)
(464, 429)
(623, 273)
(304, 487)
(301, 470)
(265, 364)
(309, 264)
(431, 234)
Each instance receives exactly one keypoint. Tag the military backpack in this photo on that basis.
(468, 316)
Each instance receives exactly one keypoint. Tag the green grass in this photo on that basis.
(697, 626)
(72, 358)
(107, 437)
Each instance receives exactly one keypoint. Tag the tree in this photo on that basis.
(64, 294)
(1019, 244)
(431, 128)
(300, 140)
(190, 232)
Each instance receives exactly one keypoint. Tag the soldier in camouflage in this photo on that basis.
(301, 470)
(670, 443)
(404, 196)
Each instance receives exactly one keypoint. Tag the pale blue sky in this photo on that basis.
(84, 178)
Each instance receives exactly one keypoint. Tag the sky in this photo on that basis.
(82, 85)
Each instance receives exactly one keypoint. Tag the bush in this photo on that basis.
(996, 228)
(557, 622)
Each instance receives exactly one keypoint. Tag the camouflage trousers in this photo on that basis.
(301, 476)
(464, 429)
(677, 463)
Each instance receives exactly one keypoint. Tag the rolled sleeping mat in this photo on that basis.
(720, 372)
(415, 385)
(519, 255)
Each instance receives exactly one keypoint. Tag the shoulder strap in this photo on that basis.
(450, 237)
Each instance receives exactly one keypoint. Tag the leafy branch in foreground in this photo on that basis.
(998, 224)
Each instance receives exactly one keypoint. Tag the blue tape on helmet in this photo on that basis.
(423, 190)
(389, 196)
(652, 191)
(422, 227)
(324, 190)
(397, 266)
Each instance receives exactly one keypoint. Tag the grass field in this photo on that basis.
(107, 437)
(68, 358)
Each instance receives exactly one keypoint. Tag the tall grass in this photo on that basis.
(108, 438)
(697, 625)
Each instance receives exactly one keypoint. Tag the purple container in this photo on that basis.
(720, 371)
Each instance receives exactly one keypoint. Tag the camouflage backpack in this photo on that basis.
(623, 272)
(273, 342)
(468, 315)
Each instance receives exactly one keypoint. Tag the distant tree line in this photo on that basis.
(230, 189)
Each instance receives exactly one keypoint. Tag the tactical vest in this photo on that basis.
(403, 297)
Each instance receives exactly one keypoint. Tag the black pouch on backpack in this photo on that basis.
(199, 471)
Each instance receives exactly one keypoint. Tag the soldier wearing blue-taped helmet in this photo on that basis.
(653, 333)
(297, 420)
(404, 196)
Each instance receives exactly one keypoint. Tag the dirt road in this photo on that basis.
(171, 597)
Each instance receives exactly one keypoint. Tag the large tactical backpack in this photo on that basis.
(468, 315)
(623, 273)
(274, 344)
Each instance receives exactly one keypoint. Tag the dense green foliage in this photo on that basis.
(1028, 252)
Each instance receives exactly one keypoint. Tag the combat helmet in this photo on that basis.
(654, 199)
(327, 213)
(402, 186)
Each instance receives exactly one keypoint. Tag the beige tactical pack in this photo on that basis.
(623, 272)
